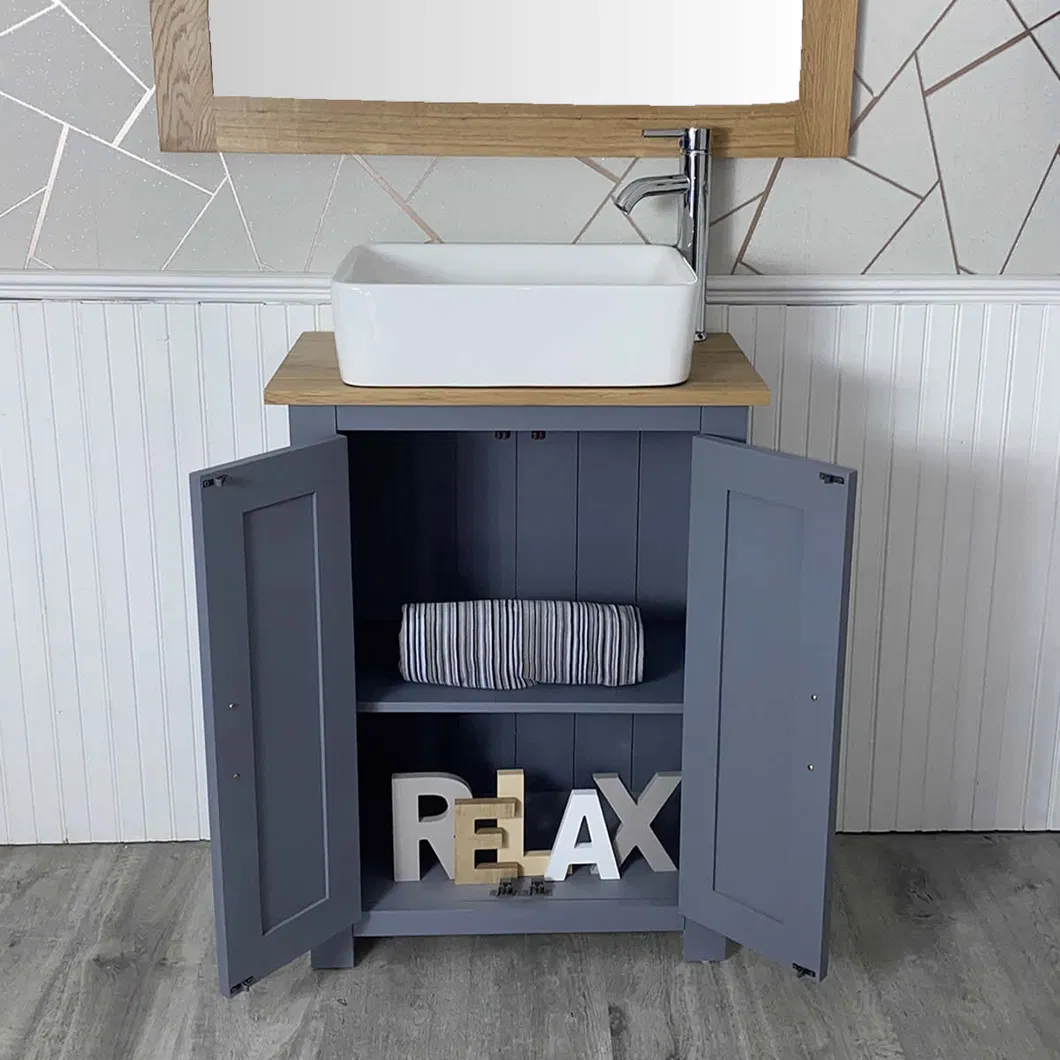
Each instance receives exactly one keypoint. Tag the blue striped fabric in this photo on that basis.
(506, 644)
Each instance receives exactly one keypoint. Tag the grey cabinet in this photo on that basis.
(739, 560)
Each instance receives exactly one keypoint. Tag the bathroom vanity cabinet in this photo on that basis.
(739, 559)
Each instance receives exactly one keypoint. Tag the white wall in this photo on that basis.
(950, 411)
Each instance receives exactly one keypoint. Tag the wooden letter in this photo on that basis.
(510, 785)
(636, 817)
(409, 828)
(467, 838)
(583, 805)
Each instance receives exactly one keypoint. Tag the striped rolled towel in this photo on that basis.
(500, 644)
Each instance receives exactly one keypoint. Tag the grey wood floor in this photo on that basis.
(943, 946)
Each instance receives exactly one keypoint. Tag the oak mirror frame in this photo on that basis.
(192, 118)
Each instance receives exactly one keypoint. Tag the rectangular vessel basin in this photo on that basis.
(494, 315)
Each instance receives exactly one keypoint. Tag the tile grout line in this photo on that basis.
(597, 168)
(130, 121)
(763, 198)
(408, 209)
(423, 180)
(986, 57)
(191, 227)
(323, 213)
(59, 148)
(938, 164)
(898, 73)
(912, 213)
(239, 207)
(888, 180)
(736, 209)
(22, 202)
(61, 4)
(28, 19)
(1030, 210)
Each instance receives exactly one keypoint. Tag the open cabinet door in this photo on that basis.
(272, 541)
(768, 573)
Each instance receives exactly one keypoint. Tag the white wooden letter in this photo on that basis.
(583, 805)
(406, 789)
(636, 817)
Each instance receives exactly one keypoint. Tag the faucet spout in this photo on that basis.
(693, 185)
(645, 187)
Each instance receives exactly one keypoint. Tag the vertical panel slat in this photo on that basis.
(662, 531)
(20, 774)
(1042, 774)
(899, 542)
(986, 512)
(485, 515)
(73, 604)
(1016, 603)
(768, 361)
(874, 468)
(32, 471)
(936, 380)
(185, 371)
(823, 355)
(793, 402)
(219, 414)
(940, 796)
(244, 342)
(852, 403)
(272, 331)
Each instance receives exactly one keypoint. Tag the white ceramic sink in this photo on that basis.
(513, 315)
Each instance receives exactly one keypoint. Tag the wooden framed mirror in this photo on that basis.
(192, 118)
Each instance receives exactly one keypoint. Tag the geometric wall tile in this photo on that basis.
(401, 172)
(1037, 252)
(826, 216)
(615, 166)
(894, 140)
(359, 211)
(26, 158)
(545, 200)
(996, 131)
(735, 181)
(1033, 11)
(922, 247)
(969, 30)
(53, 64)
(283, 198)
(889, 30)
(123, 28)
(108, 211)
(1048, 36)
(862, 97)
(218, 242)
(610, 225)
(142, 140)
(16, 229)
(727, 236)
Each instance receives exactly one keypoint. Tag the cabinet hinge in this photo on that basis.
(832, 480)
(214, 480)
(240, 987)
(804, 973)
(513, 888)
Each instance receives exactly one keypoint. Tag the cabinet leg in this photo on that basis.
(337, 952)
(702, 944)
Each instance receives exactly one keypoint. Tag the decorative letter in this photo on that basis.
(583, 805)
(636, 817)
(510, 785)
(406, 790)
(467, 839)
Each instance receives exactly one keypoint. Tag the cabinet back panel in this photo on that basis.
(557, 752)
(573, 515)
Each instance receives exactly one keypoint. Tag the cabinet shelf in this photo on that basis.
(641, 900)
(661, 691)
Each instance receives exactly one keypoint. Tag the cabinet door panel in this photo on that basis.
(272, 540)
(769, 567)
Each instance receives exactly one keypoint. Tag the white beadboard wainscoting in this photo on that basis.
(946, 396)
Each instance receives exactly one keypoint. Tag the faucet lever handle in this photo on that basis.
(693, 138)
(659, 134)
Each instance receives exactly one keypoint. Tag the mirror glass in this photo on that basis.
(582, 52)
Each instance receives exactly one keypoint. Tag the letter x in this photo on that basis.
(635, 818)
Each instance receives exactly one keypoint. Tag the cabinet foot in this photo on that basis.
(337, 952)
(702, 944)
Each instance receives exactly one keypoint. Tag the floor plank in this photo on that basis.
(942, 946)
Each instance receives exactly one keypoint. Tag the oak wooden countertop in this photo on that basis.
(721, 375)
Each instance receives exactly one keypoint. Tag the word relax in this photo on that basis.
(457, 834)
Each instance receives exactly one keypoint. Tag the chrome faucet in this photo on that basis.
(693, 184)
